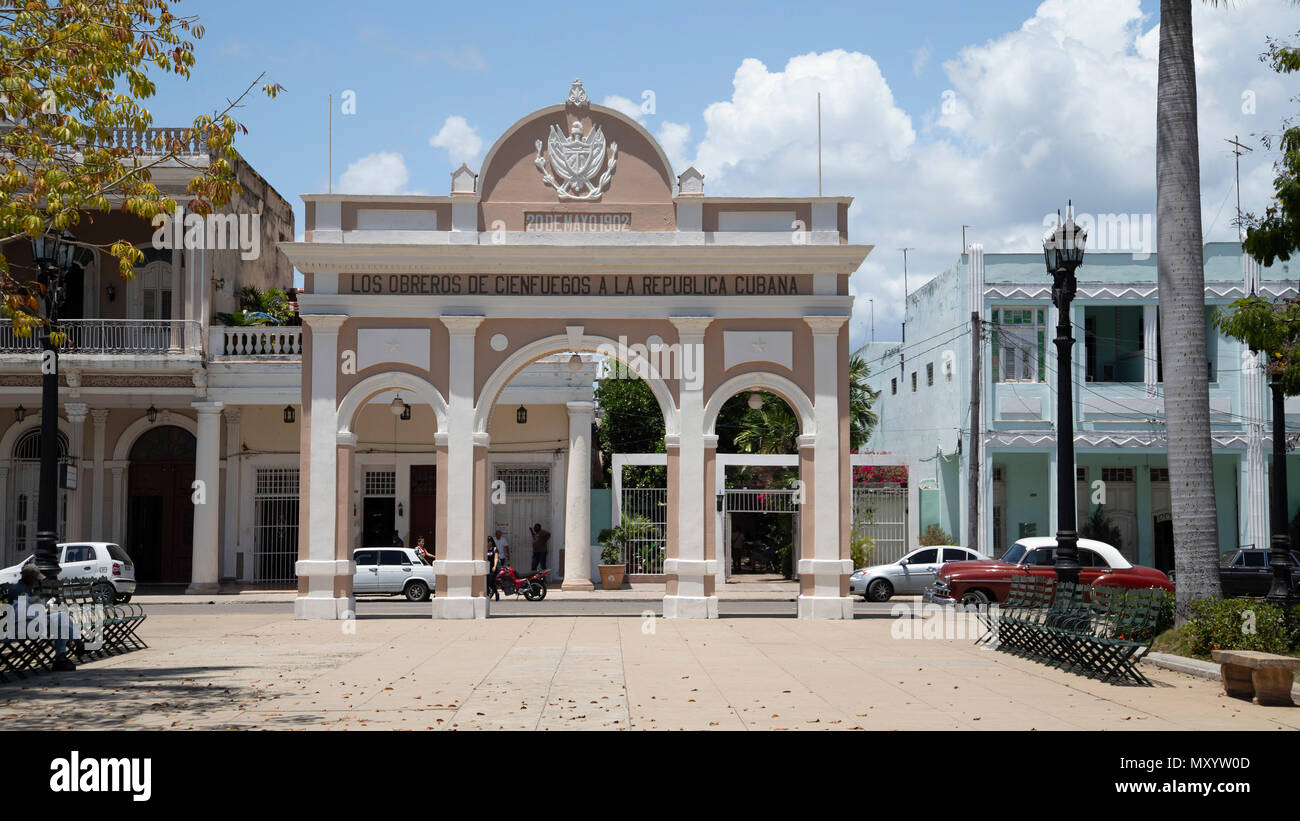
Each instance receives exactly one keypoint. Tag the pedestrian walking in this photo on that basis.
(541, 538)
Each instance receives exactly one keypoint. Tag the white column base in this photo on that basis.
(825, 607)
(202, 587)
(460, 607)
(324, 608)
(690, 607)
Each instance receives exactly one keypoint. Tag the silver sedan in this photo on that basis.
(909, 575)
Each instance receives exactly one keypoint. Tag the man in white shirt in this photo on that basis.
(503, 545)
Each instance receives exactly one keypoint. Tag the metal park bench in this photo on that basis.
(105, 629)
(1099, 632)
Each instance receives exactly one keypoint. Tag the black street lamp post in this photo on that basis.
(52, 255)
(1281, 591)
(1063, 251)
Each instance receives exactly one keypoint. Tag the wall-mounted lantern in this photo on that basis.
(290, 415)
(521, 415)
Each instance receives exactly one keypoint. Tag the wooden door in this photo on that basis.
(424, 506)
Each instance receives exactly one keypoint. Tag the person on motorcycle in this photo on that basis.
(494, 566)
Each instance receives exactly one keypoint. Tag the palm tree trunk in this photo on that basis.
(1182, 312)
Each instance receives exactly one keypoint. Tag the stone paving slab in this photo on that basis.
(265, 671)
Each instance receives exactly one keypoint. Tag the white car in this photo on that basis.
(88, 560)
(392, 570)
(910, 575)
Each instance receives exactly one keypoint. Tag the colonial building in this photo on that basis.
(574, 237)
(440, 385)
(925, 397)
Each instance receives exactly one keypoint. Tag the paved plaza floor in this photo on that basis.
(246, 668)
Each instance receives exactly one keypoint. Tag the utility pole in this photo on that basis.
(330, 141)
(1237, 150)
(973, 477)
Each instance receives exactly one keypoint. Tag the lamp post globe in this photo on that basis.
(1063, 254)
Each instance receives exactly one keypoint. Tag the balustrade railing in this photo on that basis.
(110, 336)
(254, 341)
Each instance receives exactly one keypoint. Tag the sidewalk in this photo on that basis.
(740, 591)
(265, 671)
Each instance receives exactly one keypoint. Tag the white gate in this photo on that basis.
(275, 524)
(527, 502)
(880, 512)
(646, 550)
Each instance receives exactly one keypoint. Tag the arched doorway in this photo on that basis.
(160, 514)
(25, 475)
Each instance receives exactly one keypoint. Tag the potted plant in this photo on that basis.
(612, 569)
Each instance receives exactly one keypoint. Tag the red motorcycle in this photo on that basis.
(533, 586)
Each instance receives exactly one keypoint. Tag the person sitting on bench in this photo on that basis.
(26, 595)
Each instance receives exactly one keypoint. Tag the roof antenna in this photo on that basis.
(1237, 151)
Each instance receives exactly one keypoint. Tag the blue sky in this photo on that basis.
(919, 170)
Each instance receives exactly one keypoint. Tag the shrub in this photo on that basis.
(861, 549)
(935, 535)
(1243, 624)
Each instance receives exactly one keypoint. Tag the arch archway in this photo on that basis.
(362, 392)
(761, 381)
(561, 343)
(127, 438)
(22, 445)
(159, 509)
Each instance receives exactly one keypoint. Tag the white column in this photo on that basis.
(76, 526)
(826, 567)
(577, 499)
(457, 563)
(320, 568)
(99, 422)
(1150, 348)
(207, 498)
(119, 502)
(1259, 442)
(176, 338)
(230, 499)
(690, 567)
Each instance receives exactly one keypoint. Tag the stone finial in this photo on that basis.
(464, 181)
(577, 95)
(690, 183)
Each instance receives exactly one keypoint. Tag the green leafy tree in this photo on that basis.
(1276, 234)
(631, 422)
(862, 418)
(72, 75)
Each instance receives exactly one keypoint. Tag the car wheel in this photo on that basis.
(122, 598)
(416, 591)
(975, 597)
(104, 593)
(879, 590)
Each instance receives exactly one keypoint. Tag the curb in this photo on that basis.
(1196, 667)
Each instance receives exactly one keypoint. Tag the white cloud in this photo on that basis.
(920, 58)
(672, 137)
(1061, 107)
(383, 172)
(461, 140)
(623, 105)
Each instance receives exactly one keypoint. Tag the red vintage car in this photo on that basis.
(982, 582)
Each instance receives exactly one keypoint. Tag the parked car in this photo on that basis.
(982, 582)
(88, 560)
(909, 575)
(1246, 572)
(392, 570)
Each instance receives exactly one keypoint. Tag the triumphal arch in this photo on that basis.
(574, 237)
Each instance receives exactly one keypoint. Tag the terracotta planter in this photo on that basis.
(611, 576)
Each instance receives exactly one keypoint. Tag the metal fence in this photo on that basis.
(110, 336)
(275, 525)
(880, 513)
(645, 552)
(749, 500)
